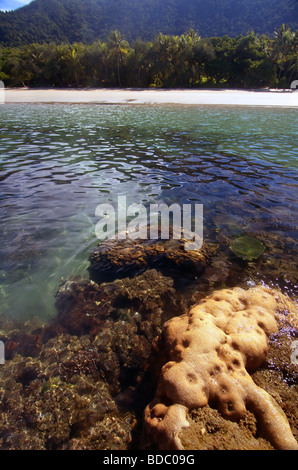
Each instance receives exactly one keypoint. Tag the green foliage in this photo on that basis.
(89, 20)
(181, 61)
(285, 52)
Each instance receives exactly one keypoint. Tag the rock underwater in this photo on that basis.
(211, 352)
(115, 259)
(76, 382)
(83, 380)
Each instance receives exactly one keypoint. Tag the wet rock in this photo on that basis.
(58, 400)
(83, 380)
(75, 389)
(83, 306)
(115, 259)
(209, 430)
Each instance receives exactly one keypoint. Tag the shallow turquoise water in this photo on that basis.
(58, 162)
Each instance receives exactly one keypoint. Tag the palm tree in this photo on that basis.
(284, 41)
(120, 46)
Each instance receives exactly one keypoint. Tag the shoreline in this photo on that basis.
(226, 97)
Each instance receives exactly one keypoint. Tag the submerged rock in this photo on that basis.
(210, 352)
(209, 430)
(115, 259)
(83, 305)
(121, 318)
(42, 408)
(83, 380)
(84, 386)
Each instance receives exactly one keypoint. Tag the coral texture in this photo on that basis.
(211, 352)
(82, 380)
(115, 259)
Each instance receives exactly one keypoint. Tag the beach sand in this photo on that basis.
(280, 98)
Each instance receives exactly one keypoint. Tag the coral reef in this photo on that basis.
(84, 305)
(78, 382)
(83, 379)
(277, 265)
(209, 430)
(42, 407)
(122, 318)
(114, 259)
(210, 352)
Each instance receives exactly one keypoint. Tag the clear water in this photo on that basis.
(58, 162)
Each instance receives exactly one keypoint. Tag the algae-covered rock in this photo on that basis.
(116, 259)
(247, 248)
(54, 399)
(83, 305)
(122, 318)
(68, 384)
(209, 430)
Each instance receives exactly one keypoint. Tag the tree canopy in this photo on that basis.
(187, 60)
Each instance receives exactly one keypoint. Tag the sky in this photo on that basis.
(12, 4)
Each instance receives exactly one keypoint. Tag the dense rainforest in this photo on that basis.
(187, 60)
(86, 21)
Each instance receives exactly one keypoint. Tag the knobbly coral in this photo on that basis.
(211, 352)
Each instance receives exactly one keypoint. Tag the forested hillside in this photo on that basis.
(88, 20)
(167, 61)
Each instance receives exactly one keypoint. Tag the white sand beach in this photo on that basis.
(283, 98)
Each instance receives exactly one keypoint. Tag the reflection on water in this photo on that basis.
(58, 162)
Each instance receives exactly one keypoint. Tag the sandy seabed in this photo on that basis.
(266, 97)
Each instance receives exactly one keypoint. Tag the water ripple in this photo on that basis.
(58, 162)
